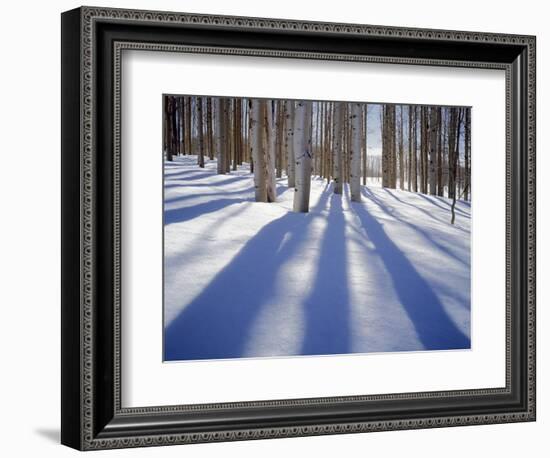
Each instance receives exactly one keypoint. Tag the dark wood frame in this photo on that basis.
(92, 42)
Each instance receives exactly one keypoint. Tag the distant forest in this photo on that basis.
(425, 149)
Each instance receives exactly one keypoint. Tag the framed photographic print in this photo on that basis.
(277, 228)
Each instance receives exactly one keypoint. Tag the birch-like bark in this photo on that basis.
(167, 135)
(200, 132)
(181, 126)
(455, 161)
(270, 133)
(257, 148)
(209, 128)
(188, 125)
(291, 163)
(329, 141)
(451, 136)
(414, 166)
(386, 147)
(393, 135)
(173, 128)
(401, 152)
(302, 151)
(467, 155)
(423, 150)
(237, 133)
(221, 146)
(339, 109)
(439, 155)
(409, 163)
(230, 135)
(355, 152)
(364, 125)
(279, 122)
(432, 157)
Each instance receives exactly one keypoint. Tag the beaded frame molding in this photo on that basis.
(93, 40)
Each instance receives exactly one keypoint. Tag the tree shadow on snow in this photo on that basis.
(246, 192)
(435, 329)
(187, 174)
(179, 215)
(446, 205)
(424, 233)
(181, 182)
(327, 307)
(424, 211)
(216, 323)
(189, 212)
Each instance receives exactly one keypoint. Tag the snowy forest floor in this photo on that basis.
(249, 279)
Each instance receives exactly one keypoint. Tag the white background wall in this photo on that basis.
(30, 215)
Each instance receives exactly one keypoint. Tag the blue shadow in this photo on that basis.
(180, 182)
(370, 195)
(326, 309)
(446, 205)
(216, 324)
(420, 209)
(435, 329)
(178, 215)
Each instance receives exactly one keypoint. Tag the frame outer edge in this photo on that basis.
(71, 307)
(532, 225)
(86, 401)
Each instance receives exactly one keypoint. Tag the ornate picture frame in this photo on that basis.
(92, 414)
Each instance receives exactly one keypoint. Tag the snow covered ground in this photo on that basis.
(248, 279)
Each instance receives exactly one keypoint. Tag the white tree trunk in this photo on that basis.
(302, 152)
(220, 137)
(355, 152)
(432, 158)
(257, 147)
(338, 146)
(271, 137)
(291, 163)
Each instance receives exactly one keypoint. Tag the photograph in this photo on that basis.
(311, 228)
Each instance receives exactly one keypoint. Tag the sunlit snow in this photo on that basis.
(248, 279)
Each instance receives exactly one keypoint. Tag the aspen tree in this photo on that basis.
(392, 137)
(221, 147)
(173, 128)
(426, 129)
(237, 133)
(270, 132)
(455, 159)
(166, 124)
(414, 166)
(291, 163)
(388, 160)
(452, 120)
(200, 132)
(410, 145)
(209, 128)
(257, 146)
(188, 125)
(401, 168)
(181, 126)
(302, 151)
(355, 151)
(432, 158)
(330, 141)
(467, 155)
(338, 146)
(364, 140)
(229, 116)
(279, 132)
(439, 154)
